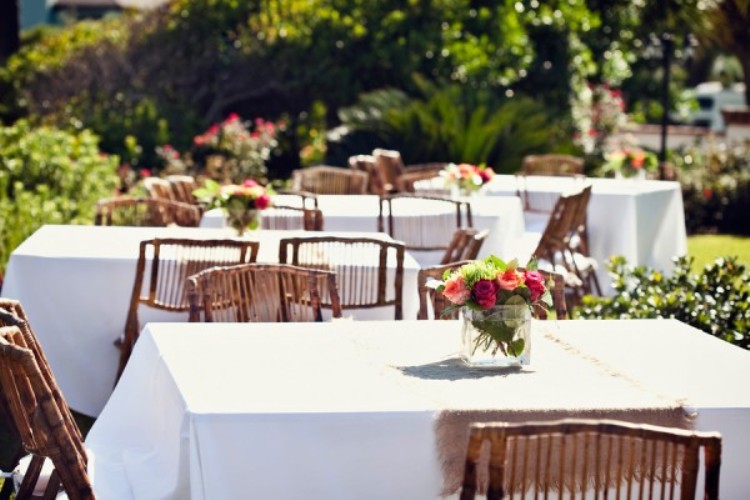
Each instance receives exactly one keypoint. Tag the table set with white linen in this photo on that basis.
(370, 409)
(502, 217)
(642, 220)
(75, 283)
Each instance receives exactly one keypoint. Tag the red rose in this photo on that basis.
(262, 202)
(535, 282)
(484, 293)
(486, 174)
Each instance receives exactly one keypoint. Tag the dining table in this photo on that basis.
(378, 410)
(501, 217)
(642, 220)
(75, 284)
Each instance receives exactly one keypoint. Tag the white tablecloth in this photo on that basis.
(75, 284)
(503, 217)
(348, 409)
(640, 219)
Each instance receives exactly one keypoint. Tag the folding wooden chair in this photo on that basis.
(41, 417)
(329, 180)
(594, 457)
(369, 272)
(161, 277)
(154, 212)
(291, 218)
(262, 293)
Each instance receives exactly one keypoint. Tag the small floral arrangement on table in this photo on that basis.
(488, 290)
(630, 162)
(467, 178)
(241, 202)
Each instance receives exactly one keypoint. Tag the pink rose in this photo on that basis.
(484, 293)
(455, 290)
(262, 202)
(509, 280)
(535, 282)
(249, 183)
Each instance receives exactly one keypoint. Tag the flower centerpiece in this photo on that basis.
(466, 179)
(631, 162)
(497, 299)
(242, 203)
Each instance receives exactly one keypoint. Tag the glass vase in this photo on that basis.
(242, 220)
(499, 337)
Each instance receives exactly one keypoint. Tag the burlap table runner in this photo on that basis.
(562, 382)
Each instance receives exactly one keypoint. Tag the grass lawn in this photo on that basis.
(706, 248)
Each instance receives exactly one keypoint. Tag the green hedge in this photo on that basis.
(716, 300)
(48, 176)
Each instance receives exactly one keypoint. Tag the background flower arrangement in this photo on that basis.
(484, 284)
(467, 178)
(630, 162)
(241, 202)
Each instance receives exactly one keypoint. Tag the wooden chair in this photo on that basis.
(306, 198)
(430, 299)
(405, 182)
(430, 229)
(464, 245)
(291, 218)
(162, 284)
(158, 188)
(128, 211)
(390, 165)
(262, 293)
(182, 187)
(552, 164)
(578, 245)
(556, 165)
(361, 266)
(604, 455)
(376, 182)
(329, 180)
(42, 419)
(555, 246)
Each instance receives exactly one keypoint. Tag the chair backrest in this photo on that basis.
(41, 420)
(161, 276)
(603, 455)
(159, 188)
(552, 164)
(376, 182)
(329, 180)
(557, 233)
(405, 182)
(422, 222)
(155, 212)
(429, 299)
(369, 271)
(182, 187)
(262, 293)
(291, 218)
(464, 245)
(389, 163)
(306, 198)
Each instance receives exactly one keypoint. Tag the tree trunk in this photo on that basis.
(9, 28)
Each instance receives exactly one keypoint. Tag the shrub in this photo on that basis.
(717, 300)
(451, 123)
(716, 188)
(48, 176)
